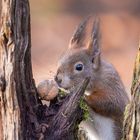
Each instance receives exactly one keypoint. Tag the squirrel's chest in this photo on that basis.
(103, 126)
(99, 127)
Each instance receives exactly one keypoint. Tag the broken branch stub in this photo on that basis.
(64, 124)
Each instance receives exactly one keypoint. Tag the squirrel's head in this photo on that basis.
(81, 60)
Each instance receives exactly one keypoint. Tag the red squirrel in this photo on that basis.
(106, 96)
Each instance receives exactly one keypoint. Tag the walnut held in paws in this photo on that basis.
(47, 90)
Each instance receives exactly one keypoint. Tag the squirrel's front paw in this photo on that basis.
(47, 90)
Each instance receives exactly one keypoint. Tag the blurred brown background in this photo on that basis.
(53, 23)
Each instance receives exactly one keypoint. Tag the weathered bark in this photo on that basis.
(22, 114)
(18, 93)
(64, 124)
(131, 130)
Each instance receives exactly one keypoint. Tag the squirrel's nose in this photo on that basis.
(58, 80)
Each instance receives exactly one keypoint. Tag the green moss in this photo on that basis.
(85, 109)
(62, 93)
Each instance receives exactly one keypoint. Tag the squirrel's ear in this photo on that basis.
(79, 34)
(93, 47)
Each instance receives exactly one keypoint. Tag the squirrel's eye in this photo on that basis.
(79, 67)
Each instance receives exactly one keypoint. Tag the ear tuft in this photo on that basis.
(79, 34)
(93, 47)
(95, 36)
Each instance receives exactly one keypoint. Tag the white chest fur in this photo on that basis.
(104, 127)
(99, 127)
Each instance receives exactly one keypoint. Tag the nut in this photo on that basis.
(47, 89)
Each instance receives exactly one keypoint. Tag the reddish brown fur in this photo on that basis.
(104, 104)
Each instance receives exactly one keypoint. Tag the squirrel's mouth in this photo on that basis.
(64, 90)
(67, 89)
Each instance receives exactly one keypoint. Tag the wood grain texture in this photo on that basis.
(64, 124)
(131, 130)
(18, 97)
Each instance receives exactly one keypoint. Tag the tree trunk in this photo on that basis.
(131, 130)
(18, 93)
(22, 114)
